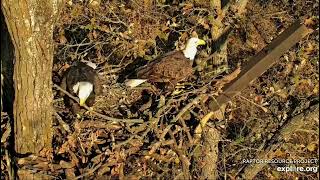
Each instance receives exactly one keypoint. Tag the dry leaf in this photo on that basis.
(63, 68)
(279, 153)
(188, 7)
(70, 173)
(309, 49)
(62, 39)
(309, 21)
(258, 99)
(95, 34)
(312, 146)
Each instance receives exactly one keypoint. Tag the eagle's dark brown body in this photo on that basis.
(77, 73)
(170, 69)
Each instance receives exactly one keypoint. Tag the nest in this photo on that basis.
(159, 145)
(155, 136)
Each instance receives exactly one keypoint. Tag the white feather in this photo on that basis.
(190, 52)
(85, 89)
(75, 87)
(191, 48)
(134, 82)
(91, 64)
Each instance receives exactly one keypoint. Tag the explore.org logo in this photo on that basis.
(297, 169)
(288, 165)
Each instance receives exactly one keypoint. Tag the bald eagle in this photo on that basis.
(81, 80)
(171, 68)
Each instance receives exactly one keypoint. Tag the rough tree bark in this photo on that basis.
(30, 24)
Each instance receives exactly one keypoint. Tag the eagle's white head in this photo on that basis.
(83, 89)
(191, 48)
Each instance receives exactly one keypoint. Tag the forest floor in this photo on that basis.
(120, 36)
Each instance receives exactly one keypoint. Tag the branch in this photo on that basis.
(288, 129)
(96, 113)
(181, 113)
(188, 106)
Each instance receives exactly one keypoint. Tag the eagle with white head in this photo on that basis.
(81, 80)
(170, 68)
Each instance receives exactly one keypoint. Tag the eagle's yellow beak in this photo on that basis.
(201, 42)
(82, 102)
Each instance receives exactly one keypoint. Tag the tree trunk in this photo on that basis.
(30, 24)
(210, 153)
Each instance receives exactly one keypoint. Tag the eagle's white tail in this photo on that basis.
(134, 82)
(91, 64)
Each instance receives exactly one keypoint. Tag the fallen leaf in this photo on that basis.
(258, 99)
(309, 49)
(188, 7)
(62, 39)
(279, 153)
(63, 68)
(70, 173)
(309, 21)
(312, 146)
